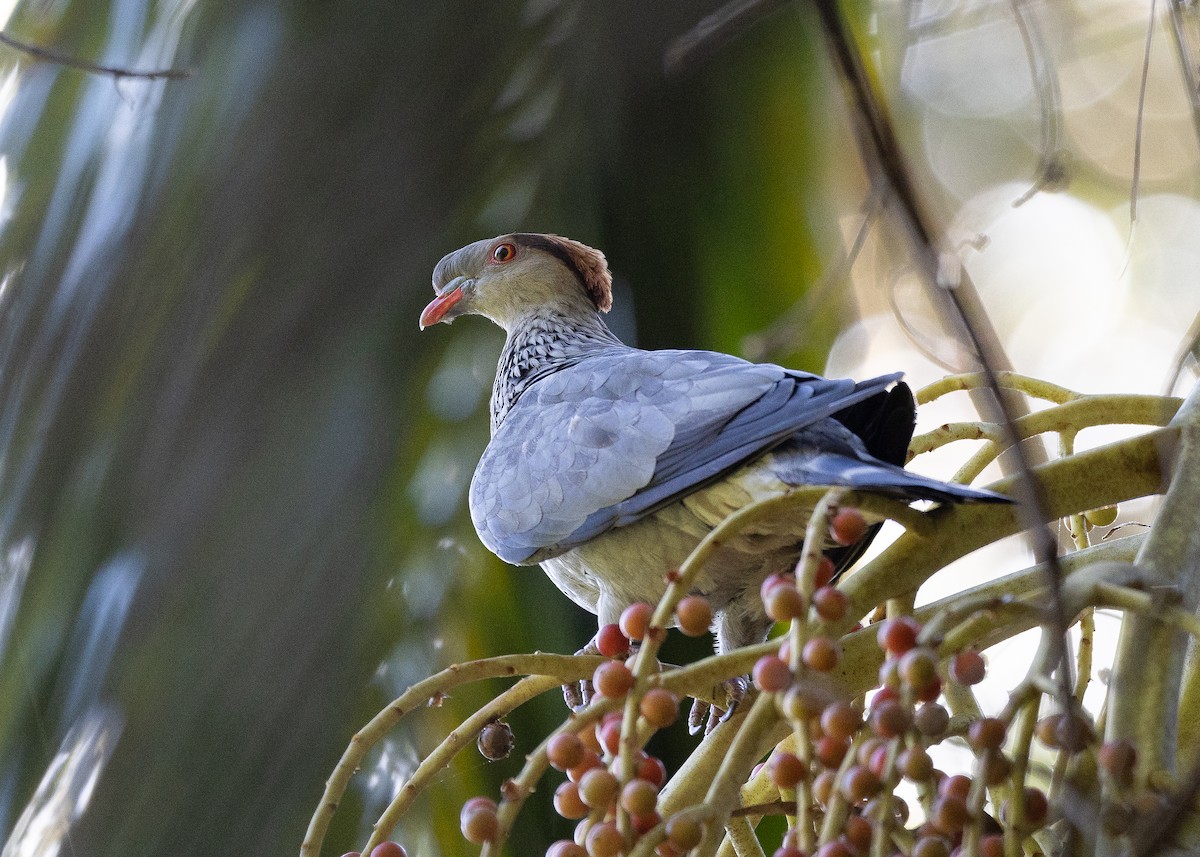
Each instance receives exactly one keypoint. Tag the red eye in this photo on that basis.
(504, 252)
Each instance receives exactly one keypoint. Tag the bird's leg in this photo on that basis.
(742, 623)
(579, 694)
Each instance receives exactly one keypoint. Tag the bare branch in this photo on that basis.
(92, 68)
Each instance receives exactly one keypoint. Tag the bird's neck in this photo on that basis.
(539, 345)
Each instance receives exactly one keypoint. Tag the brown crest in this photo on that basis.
(588, 264)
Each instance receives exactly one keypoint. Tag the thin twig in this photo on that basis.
(790, 327)
(714, 30)
(882, 153)
(1141, 110)
(1187, 61)
(92, 68)
(1051, 170)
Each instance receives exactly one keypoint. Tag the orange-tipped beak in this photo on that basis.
(439, 306)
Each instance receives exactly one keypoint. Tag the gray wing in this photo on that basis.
(624, 432)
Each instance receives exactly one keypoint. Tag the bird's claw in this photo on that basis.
(708, 716)
(579, 694)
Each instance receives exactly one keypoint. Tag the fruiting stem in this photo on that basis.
(1145, 690)
(1098, 477)
(520, 693)
(562, 667)
(746, 746)
(1035, 387)
(740, 838)
(1023, 725)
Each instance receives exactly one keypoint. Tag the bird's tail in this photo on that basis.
(865, 474)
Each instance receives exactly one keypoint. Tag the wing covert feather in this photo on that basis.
(614, 437)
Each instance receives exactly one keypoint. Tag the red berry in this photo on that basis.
(897, 636)
(478, 821)
(612, 679)
(950, 813)
(968, 667)
(591, 759)
(773, 580)
(996, 767)
(847, 526)
(660, 707)
(611, 642)
(915, 763)
(784, 603)
(987, 733)
(639, 797)
(604, 840)
(694, 615)
(858, 833)
(830, 751)
(889, 675)
(890, 719)
(652, 768)
(642, 823)
(884, 694)
(840, 720)
(564, 751)
(566, 848)
(1036, 807)
(958, 786)
(635, 620)
(931, 846)
(830, 603)
(932, 719)
(598, 788)
(820, 654)
(567, 801)
(825, 572)
(1118, 759)
(991, 845)
(858, 784)
(786, 769)
(918, 668)
(610, 733)
(684, 831)
(868, 748)
(878, 761)
(771, 674)
(931, 691)
(388, 849)
(823, 787)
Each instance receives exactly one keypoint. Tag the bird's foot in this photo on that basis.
(705, 715)
(579, 694)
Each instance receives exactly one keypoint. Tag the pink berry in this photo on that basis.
(611, 642)
(771, 674)
(635, 620)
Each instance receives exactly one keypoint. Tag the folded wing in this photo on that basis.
(619, 435)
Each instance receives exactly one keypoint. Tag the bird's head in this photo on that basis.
(513, 276)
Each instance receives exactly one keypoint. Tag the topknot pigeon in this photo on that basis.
(607, 464)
